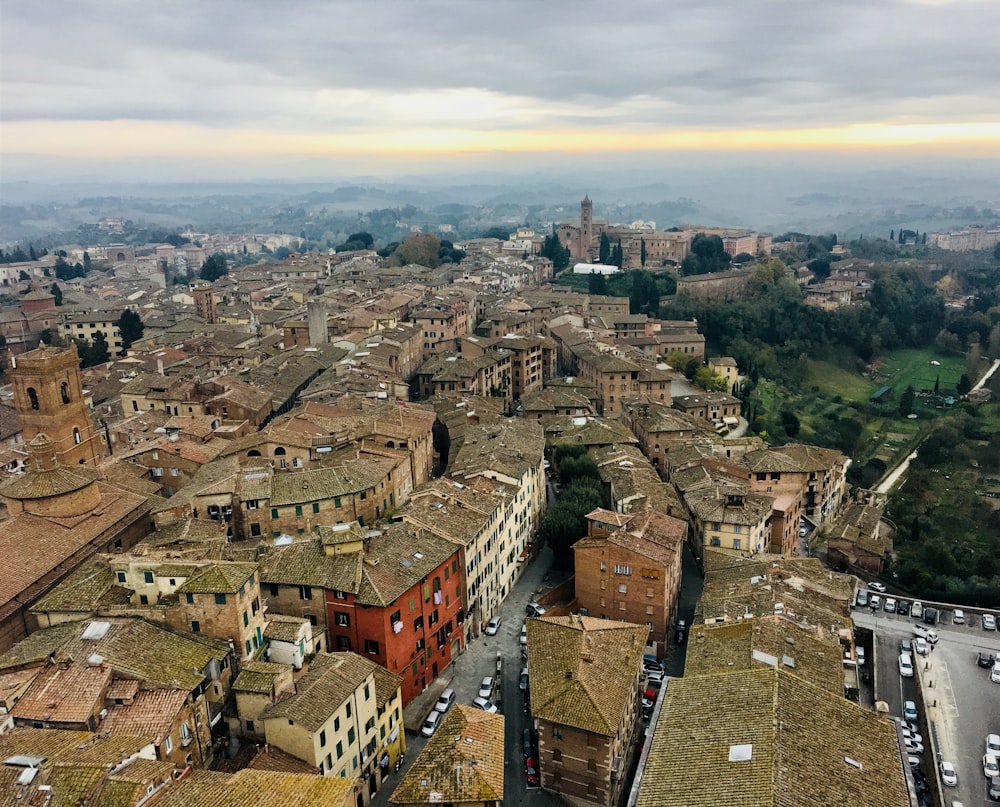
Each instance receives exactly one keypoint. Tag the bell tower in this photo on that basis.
(48, 395)
(586, 226)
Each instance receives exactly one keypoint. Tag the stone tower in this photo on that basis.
(48, 395)
(586, 226)
(317, 322)
(204, 303)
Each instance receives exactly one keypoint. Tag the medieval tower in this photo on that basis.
(586, 226)
(48, 394)
(204, 303)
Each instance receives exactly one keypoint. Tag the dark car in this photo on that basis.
(985, 660)
(903, 608)
(994, 788)
(528, 742)
(681, 635)
(531, 775)
(930, 616)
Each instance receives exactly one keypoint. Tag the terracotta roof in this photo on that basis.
(281, 628)
(766, 737)
(257, 788)
(258, 677)
(64, 693)
(584, 670)
(463, 762)
(150, 714)
(219, 578)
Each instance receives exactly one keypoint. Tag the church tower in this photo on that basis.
(48, 395)
(586, 226)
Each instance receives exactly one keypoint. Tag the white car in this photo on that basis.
(989, 622)
(861, 656)
(486, 688)
(492, 626)
(912, 746)
(929, 635)
(993, 744)
(995, 673)
(948, 774)
(917, 609)
(958, 617)
(890, 605)
(905, 665)
(921, 646)
(876, 586)
(524, 635)
(431, 723)
(485, 705)
(875, 602)
(990, 766)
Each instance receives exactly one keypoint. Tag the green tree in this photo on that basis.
(130, 326)
(356, 241)
(964, 385)
(56, 292)
(906, 402)
(500, 233)
(87, 265)
(597, 284)
(604, 251)
(213, 268)
(555, 252)
(892, 235)
(790, 422)
(642, 252)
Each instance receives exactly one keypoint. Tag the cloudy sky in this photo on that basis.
(204, 79)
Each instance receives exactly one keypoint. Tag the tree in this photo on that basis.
(87, 264)
(213, 268)
(130, 326)
(906, 402)
(892, 235)
(56, 292)
(964, 385)
(500, 233)
(356, 241)
(419, 248)
(790, 422)
(555, 252)
(31, 253)
(604, 251)
(597, 284)
(642, 252)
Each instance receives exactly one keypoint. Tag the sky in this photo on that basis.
(386, 83)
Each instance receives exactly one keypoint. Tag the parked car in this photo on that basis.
(876, 602)
(958, 617)
(861, 656)
(651, 664)
(930, 616)
(927, 634)
(912, 746)
(949, 775)
(994, 788)
(905, 646)
(681, 635)
(910, 712)
(985, 660)
(486, 687)
(531, 775)
(989, 622)
(903, 608)
(910, 734)
(890, 605)
(995, 673)
(524, 635)
(528, 742)
(905, 665)
(921, 646)
(444, 702)
(862, 598)
(990, 766)
(993, 744)
(431, 723)
(648, 698)
(534, 609)
(492, 626)
(917, 609)
(877, 586)
(485, 705)
(523, 680)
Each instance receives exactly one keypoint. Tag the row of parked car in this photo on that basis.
(929, 615)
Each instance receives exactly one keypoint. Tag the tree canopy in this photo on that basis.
(214, 267)
(130, 326)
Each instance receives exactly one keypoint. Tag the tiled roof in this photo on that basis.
(150, 714)
(305, 563)
(281, 628)
(64, 693)
(391, 564)
(257, 788)
(258, 677)
(219, 578)
(353, 476)
(511, 447)
(331, 679)
(715, 505)
(463, 762)
(39, 483)
(583, 670)
(82, 590)
(803, 746)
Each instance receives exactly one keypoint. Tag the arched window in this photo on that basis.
(64, 392)
(33, 397)
(279, 451)
(76, 435)
(253, 452)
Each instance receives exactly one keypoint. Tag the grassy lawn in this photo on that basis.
(832, 380)
(904, 368)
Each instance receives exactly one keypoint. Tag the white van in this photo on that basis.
(862, 600)
(444, 702)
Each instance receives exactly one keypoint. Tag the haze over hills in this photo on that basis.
(851, 194)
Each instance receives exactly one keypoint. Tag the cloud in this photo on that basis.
(390, 68)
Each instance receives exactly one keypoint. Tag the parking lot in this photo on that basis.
(962, 705)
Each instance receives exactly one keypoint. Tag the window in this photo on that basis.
(343, 643)
(76, 436)
(32, 397)
(274, 512)
(336, 723)
(315, 507)
(556, 733)
(255, 530)
(738, 529)
(336, 502)
(147, 576)
(348, 705)
(395, 614)
(298, 511)
(736, 543)
(623, 588)
(305, 592)
(143, 599)
(189, 598)
(251, 504)
(120, 576)
(273, 589)
(220, 599)
(322, 738)
(716, 526)
(714, 542)
(343, 620)
(371, 646)
(246, 619)
(195, 626)
(340, 748)
(622, 569)
(340, 595)
(168, 744)
(418, 623)
(366, 692)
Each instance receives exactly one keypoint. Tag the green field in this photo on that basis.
(832, 380)
(904, 368)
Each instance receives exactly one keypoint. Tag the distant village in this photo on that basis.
(241, 555)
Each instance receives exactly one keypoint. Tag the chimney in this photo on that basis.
(159, 366)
